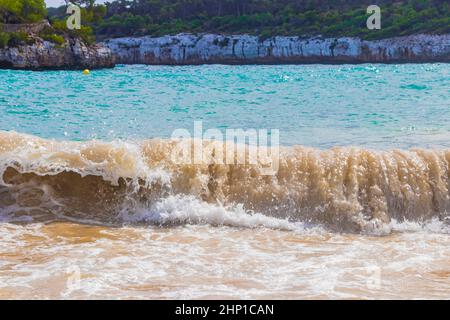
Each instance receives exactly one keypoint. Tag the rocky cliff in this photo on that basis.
(242, 49)
(46, 55)
(41, 54)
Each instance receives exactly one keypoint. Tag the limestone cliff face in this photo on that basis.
(41, 54)
(241, 49)
(45, 55)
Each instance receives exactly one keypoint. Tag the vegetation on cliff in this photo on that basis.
(28, 12)
(13, 39)
(264, 17)
(19, 11)
(22, 11)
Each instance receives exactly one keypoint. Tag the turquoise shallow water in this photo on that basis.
(376, 106)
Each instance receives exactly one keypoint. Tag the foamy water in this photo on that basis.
(358, 210)
(44, 261)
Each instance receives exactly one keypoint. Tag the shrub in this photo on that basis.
(59, 29)
(54, 38)
(4, 39)
(59, 26)
(22, 11)
(86, 34)
(53, 35)
(19, 38)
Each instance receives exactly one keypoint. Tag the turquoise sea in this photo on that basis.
(377, 106)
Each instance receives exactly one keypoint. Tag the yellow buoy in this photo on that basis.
(86, 71)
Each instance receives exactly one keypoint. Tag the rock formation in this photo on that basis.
(41, 54)
(245, 49)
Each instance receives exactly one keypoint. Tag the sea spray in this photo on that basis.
(344, 189)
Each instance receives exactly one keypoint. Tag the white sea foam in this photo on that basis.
(176, 210)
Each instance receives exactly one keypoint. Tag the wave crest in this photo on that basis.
(345, 189)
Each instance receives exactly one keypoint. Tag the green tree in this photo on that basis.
(10, 10)
(331, 18)
(22, 11)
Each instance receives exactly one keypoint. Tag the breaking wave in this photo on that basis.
(342, 189)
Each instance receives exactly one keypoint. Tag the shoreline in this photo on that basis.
(189, 49)
(46, 56)
(283, 63)
(251, 63)
(210, 49)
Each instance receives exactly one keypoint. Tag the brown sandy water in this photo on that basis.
(74, 261)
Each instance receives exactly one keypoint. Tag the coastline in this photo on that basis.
(46, 57)
(33, 52)
(189, 49)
